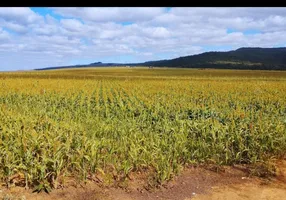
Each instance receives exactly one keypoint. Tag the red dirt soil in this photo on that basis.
(193, 183)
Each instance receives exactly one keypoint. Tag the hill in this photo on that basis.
(242, 58)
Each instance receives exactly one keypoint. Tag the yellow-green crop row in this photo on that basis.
(53, 127)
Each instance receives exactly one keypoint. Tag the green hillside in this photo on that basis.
(243, 58)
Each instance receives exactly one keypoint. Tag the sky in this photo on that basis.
(45, 37)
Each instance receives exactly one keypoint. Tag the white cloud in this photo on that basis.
(4, 35)
(72, 24)
(16, 27)
(159, 32)
(154, 33)
(20, 15)
(111, 14)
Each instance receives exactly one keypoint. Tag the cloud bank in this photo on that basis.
(43, 37)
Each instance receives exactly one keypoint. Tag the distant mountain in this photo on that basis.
(242, 58)
(96, 64)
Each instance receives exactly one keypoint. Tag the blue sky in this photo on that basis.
(42, 37)
(46, 11)
(245, 32)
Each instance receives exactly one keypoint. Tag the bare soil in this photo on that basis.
(193, 183)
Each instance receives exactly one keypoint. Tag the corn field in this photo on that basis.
(77, 123)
